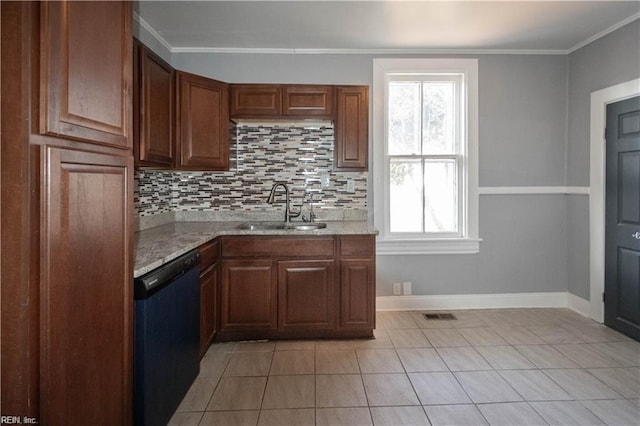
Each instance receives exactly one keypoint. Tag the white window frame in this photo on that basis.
(468, 241)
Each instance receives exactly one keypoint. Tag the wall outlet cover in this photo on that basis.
(406, 288)
(397, 290)
(351, 186)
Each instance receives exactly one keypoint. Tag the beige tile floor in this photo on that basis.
(498, 367)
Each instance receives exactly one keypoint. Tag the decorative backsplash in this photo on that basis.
(299, 153)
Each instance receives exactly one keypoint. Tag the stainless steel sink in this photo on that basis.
(296, 226)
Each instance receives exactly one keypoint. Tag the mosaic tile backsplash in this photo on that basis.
(300, 154)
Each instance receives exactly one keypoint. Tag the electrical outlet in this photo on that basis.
(325, 181)
(406, 288)
(397, 290)
(351, 186)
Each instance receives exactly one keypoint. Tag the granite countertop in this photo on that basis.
(156, 246)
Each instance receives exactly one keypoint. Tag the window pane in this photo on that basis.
(438, 117)
(441, 196)
(405, 203)
(404, 117)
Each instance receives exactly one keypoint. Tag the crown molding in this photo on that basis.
(604, 32)
(417, 51)
(413, 51)
(144, 24)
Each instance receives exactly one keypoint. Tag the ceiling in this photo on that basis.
(381, 26)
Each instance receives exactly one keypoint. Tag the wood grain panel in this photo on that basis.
(86, 289)
(357, 293)
(208, 308)
(155, 112)
(306, 295)
(209, 253)
(18, 208)
(248, 295)
(256, 100)
(308, 101)
(257, 246)
(361, 246)
(203, 120)
(352, 128)
(86, 71)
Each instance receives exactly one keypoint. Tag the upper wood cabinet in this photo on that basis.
(86, 71)
(203, 123)
(281, 101)
(255, 100)
(307, 101)
(352, 128)
(154, 114)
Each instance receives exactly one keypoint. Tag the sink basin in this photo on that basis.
(267, 226)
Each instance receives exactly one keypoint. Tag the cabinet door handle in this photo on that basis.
(636, 235)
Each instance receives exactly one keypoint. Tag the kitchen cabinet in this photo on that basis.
(209, 294)
(352, 128)
(307, 101)
(203, 123)
(69, 69)
(297, 287)
(86, 293)
(306, 295)
(281, 101)
(86, 68)
(248, 295)
(154, 109)
(255, 100)
(357, 273)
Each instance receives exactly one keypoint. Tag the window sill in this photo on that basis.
(441, 246)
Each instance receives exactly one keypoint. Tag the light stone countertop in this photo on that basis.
(156, 246)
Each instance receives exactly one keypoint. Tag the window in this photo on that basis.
(425, 155)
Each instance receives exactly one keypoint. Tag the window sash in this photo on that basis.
(416, 244)
(459, 228)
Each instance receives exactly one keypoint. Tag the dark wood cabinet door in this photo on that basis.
(357, 294)
(256, 100)
(86, 71)
(306, 295)
(203, 123)
(248, 295)
(208, 307)
(307, 101)
(352, 128)
(154, 110)
(86, 294)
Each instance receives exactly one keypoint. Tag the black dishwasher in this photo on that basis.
(167, 338)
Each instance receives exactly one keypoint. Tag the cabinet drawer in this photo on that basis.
(357, 246)
(278, 247)
(209, 254)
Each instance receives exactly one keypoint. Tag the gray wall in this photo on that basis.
(522, 143)
(534, 125)
(608, 61)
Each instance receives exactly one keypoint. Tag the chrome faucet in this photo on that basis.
(287, 208)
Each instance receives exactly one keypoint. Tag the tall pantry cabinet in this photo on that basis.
(75, 63)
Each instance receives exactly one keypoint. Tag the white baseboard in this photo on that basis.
(480, 301)
(578, 304)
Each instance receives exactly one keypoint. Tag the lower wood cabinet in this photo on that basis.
(249, 300)
(310, 287)
(306, 295)
(209, 294)
(357, 295)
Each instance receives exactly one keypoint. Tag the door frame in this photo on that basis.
(599, 101)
